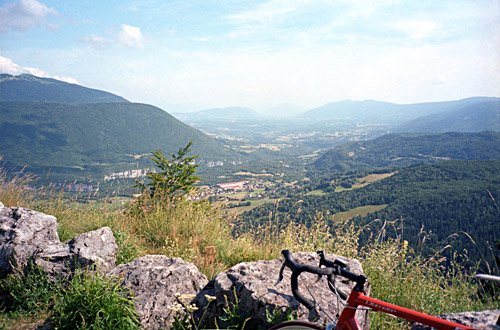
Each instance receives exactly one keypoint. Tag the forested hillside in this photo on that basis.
(93, 139)
(452, 197)
(471, 118)
(371, 111)
(26, 87)
(400, 150)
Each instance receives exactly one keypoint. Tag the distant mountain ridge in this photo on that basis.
(228, 113)
(477, 117)
(371, 111)
(91, 138)
(77, 132)
(26, 87)
(402, 150)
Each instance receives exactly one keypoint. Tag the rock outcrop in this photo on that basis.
(254, 284)
(156, 282)
(27, 235)
(477, 320)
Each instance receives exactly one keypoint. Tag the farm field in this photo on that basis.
(358, 211)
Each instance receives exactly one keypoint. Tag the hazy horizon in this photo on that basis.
(185, 56)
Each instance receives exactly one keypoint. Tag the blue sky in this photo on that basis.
(193, 55)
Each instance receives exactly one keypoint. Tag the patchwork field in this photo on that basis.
(358, 211)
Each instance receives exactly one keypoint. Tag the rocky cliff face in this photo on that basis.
(158, 282)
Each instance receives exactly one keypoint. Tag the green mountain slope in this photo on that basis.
(94, 139)
(398, 150)
(484, 116)
(27, 87)
(371, 111)
(443, 199)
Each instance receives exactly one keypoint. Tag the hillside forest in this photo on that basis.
(367, 162)
(417, 184)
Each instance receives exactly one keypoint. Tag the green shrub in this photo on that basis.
(175, 176)
(28, 292)
(92, 301)
(128, 248)
(233, 317)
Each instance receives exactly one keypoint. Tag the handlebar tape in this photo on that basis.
(297, 269)
(332, 268)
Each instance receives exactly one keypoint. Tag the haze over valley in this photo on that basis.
(370, 114)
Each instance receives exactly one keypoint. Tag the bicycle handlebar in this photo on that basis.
(297, 269)
(337, 267)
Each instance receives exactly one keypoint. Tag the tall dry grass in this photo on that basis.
(202, 233)
(15, 188)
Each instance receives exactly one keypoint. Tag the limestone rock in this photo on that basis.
(30, 235)
(477, 320)
(155, 280)
(24, 233)
(93, 250)
(254, 285)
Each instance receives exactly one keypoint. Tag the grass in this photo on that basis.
(366, 180)
(370, 178)
(241, 173)
(87, 301)
(253, 204)
(202, 233)
(358, 211)
(317, 192)
(93, 301)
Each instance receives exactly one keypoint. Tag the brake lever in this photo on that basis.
(320, 254)
(331, 280)
(280, 277)
(333, 288)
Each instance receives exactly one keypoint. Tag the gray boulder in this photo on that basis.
(254, 285)
(156, 282)
(30, 235)
(477, 320)
(23, 233)
(94, 250)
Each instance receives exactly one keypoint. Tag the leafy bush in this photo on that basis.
(92, 301)
(28, 292)
(233, 317)
(176, 176)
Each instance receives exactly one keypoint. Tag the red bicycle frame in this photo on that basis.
(347, 320)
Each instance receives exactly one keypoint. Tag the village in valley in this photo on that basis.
(244, 193)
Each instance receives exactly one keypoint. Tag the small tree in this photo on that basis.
(175, 177)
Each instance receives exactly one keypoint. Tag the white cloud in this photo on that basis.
(9, 67)
(317, 75)
(97, 42)
(417, 29)
(264, 13)
(23, 15)
(131, 36)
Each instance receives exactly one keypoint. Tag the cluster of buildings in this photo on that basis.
(224, 189)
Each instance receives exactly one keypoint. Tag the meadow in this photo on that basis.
(194, 231)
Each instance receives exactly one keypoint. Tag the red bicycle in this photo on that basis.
(357, 298)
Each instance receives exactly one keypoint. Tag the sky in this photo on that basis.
(183, 55)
